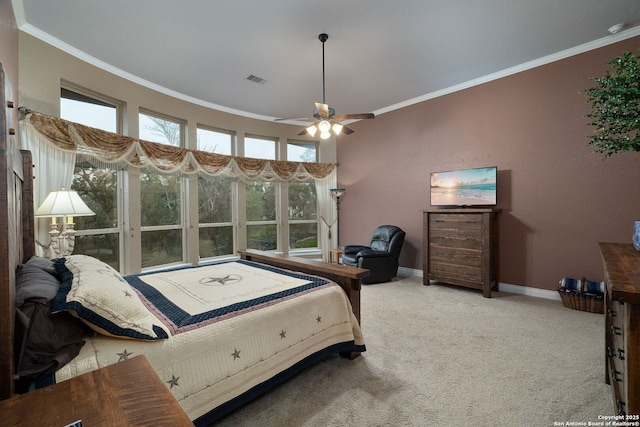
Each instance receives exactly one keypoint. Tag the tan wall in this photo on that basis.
(43, 67)
(558, 198)
(9, 50)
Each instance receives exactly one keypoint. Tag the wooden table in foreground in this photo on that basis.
(128, 393)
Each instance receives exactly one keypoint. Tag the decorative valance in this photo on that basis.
(107, 149)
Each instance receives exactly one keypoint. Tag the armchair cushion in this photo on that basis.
(353, 249)
(370, 253)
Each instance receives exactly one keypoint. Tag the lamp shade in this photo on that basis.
(61, 203)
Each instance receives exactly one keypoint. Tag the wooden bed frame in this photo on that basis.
(18, 241)
(17, 222)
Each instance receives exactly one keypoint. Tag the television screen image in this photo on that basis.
(465, 187)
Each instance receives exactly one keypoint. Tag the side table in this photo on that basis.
(128, 393)
(335, 253)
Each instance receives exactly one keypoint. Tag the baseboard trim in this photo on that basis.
(503, 287)
(525, 290)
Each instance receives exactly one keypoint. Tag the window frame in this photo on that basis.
(92, 97)
(181, 225)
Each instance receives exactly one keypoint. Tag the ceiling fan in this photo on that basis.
(325, 117)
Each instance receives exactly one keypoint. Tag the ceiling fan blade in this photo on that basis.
(322, 109)
(355, 116)
(300, 119)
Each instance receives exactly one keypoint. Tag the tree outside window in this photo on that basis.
(160, 199)
(303, 206)
(215, 199)
(99, 235)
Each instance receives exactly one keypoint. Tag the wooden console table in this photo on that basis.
(622, 325)
(128, 393)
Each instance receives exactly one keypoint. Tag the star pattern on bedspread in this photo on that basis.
(236, 354)
(173, 381)
(319, 319)
(283, 334)
(229, 278)
(127, 293)
(124, 355)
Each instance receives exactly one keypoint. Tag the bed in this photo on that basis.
(213, 357)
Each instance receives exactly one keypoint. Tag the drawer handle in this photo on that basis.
(621, 406)
(616, 330)
(612, 313)
(611, 352)
(614, 375)
(620, 354)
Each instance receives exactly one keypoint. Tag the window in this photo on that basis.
(303, 206)
(161, 201)
(303, 215)
(155, 128)
(261, 199)
(260, 148)
(268, 215)
(302, 151)
(215, 141)
(89, 110)
(215, 200)
(99, 235)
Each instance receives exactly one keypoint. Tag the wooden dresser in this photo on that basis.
(622, 324)
(460, 247)
(128, 393)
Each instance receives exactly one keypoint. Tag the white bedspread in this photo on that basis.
(210, 360)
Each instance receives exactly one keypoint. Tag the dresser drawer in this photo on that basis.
(456, 238)
(454, 271)
(617, 381)
(456, 221)
(615, 326)
(455, 255)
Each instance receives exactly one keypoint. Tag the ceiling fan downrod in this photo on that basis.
(323, 38)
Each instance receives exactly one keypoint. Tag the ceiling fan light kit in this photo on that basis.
(325, 116)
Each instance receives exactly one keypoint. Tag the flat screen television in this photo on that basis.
(464, 187)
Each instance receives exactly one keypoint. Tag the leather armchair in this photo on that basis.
(380, 257)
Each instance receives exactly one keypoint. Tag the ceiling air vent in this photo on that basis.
(256, 79)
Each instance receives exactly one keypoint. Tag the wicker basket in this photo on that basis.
(592, 303)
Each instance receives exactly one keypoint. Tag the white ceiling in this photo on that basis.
(381, 54)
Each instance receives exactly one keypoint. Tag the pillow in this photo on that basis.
(43, 263)
(34, 282)
(97, 294)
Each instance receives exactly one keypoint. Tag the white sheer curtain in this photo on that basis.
(53, 170)
(328, 214)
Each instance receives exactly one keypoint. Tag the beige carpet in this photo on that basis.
(444, 356)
